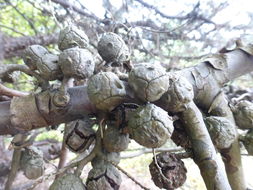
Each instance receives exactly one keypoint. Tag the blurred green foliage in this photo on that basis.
(25, 18)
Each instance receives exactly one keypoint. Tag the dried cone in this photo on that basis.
(180, 93)
(179, 135)
(79, 135)
(104, 178)
(243, 113)
(70, 37)
(221, 131)
(67, 182)
(32, 163)
(112, 48)
(172, 168)
(248, 142)
(77, 63)
(106, 90)
(114, 140)
(149, 81)
(150, 126)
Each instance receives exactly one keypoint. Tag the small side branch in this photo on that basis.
(134, 154)
(11, 92)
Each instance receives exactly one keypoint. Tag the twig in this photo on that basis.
(12, 29)
(11, 92)
(23, 15)
(66, 5)
(192, 15)
(52, 12)
(127, 174)
(63, 155)
(6, 69)
(246, 155)
(146, 150)
(159, 168)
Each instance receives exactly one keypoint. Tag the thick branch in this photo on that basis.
(14, 46)
(208, 77)
(230, 156)
(205, 156)
(39, 107)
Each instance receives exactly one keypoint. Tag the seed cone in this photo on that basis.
(172, 168)
(150, 126)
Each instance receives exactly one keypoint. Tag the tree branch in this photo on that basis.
(67, 5)
(193, 15)
(11, 92)
(205, 155)
(133, 154)
(14, 46)
(12, 29)
(80, 103)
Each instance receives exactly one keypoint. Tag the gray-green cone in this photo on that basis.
(243, 113)
(180, 93)
(221, 131)
(33, 54)
(150, 126)
(77, 63)
(106, 90)
(37, 57)
(112, 48)
(32, 163)
(149, 81)
(248, 142)
(71, 37)
(67, 182)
